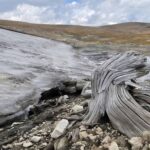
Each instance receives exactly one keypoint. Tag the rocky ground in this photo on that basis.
(56, 124)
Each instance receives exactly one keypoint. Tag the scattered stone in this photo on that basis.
(70, 89)
(136, 143)
(83, 135)
(16, 123)
(121, 141)
(27, 144)
(35, 139)
(1, 129)
(106, 140)
(92, 137)
(98, 131)
(61, 144)
(75, 135)
(60, 128)
(146, 136)
(80, 84)
(86, 92)
(63, 99)
(18, 144)
(70, 82)
(8, 146)
(113, 146)
(77, 108)
(82, 128)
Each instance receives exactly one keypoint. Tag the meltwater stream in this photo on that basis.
(30, 65)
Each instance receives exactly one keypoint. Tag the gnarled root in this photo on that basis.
(113, 92)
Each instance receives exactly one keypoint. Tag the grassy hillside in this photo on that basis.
(125, 33)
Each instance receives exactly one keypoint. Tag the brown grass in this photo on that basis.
(126, 33)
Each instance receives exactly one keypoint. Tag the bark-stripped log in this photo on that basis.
(114, 93)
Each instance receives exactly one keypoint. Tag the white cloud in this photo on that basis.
(85, 12)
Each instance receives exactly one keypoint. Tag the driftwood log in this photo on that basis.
(117, 92)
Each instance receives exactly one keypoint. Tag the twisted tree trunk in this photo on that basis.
(116, 92)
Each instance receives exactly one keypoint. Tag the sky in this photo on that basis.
(78, 12)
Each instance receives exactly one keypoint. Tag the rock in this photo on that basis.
(75, 135)
(70, 82)
(96, 148)
(86, 92)
(70, 90)
(77, 108)
(146, 136)
(61, 144)
(106, 140)
(121, 141)
(80, 84)
(60, 128)
(16, 123)
(63, 99)
(82, 128)
(98, 131)
(27, 144)
(92, 137)
(8, 146)
(1, 129)
(113, 146)
(136, 143)
(18, 144)
(35, 139)
(83, 135)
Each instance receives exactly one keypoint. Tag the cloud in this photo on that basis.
(81, 12)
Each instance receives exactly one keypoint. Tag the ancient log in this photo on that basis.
(117, 93)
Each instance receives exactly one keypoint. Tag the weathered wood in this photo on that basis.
(114, 93)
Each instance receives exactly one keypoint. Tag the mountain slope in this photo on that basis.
(125, 33)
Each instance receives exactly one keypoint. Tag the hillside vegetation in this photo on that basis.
(79, 36)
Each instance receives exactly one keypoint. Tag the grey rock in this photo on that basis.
(61, 144)
(146, 136)
(80, 84)
(27, 144)
(35, 139)
(63, 99)
(60, 128)
(86, 92)
(113, 146)
(70, 90)
(106, 140)
(77, 108)
(136, 143)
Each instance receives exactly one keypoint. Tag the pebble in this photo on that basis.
(61, 144)
(77, 108)
(60, 128)
(113, 146)
(106, 140)
(1, 129)
(98, 131)
(136, 143)
(82, 128)
(92, 137)
(27, 144)
(70, 89)
(63, 99)
(35, 139)
(83, 135)
(146, 136)
(80, 85)
(8, 146)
